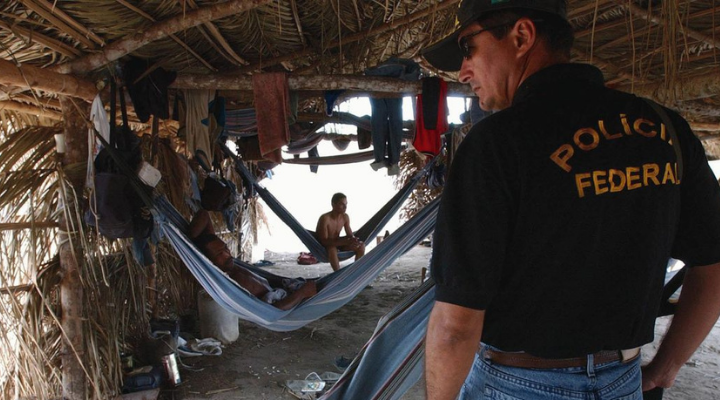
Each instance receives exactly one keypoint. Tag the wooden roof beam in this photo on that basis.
(29, 109)
(696, 108)
(158, 31)
(706, 127)
(29, 77)
(692, 88)
(317, 82)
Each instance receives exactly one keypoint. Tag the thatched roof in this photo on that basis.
(667, 49)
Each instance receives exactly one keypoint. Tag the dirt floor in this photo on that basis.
(261, 361)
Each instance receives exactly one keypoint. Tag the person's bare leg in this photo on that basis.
(360, 251)
(333, 258)
(309, 289)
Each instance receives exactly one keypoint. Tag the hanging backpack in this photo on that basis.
(117, 210)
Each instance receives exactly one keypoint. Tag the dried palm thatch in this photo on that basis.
(34, 194)
(411, 162)
(31, 197)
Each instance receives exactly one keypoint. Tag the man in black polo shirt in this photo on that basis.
(557, 221)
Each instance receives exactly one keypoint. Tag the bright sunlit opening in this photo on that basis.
(307, 195)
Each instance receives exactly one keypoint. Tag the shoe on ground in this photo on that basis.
(393, 170)
(377, 165)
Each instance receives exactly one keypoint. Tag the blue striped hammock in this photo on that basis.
(391, 362)
(334, 290)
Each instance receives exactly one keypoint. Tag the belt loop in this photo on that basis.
(482, 350)
(590, 366)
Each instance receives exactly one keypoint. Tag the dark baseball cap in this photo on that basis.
(446, 54)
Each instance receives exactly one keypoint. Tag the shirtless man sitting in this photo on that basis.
(328, 232)
(281, 293)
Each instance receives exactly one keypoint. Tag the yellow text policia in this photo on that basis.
(615, 180)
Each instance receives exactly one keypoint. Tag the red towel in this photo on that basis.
(428, 140)
(271, 95)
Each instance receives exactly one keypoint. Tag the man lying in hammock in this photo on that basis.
(283, 293)
(328, 232)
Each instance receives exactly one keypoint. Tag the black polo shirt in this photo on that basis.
(560, 214)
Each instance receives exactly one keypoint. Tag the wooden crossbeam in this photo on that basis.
(317, 82)
(125, 46)
(17, 226)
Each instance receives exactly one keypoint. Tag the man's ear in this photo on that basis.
(524, 35)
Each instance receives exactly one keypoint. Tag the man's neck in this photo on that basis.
(542, 59)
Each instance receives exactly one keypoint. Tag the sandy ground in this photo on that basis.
(261, 361)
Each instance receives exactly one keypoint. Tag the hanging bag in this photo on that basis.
(117, 211)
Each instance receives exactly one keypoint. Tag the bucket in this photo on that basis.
(215, 321)
(149, 174)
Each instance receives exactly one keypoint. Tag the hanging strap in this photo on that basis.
(113, 112)
(202, 159)
(155, 138)
(670, 128)
(123, 109)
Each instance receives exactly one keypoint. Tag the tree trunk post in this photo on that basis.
(74, 382)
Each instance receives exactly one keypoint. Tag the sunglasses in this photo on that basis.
(464, 41)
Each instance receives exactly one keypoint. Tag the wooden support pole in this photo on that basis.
(75, 114)
(317, 82)
(74, 381)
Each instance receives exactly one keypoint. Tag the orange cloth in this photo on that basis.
(271, 95)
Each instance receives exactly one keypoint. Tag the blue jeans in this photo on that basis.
(387, 129)
(610, 381)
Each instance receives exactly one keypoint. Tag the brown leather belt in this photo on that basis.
(525, 360)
